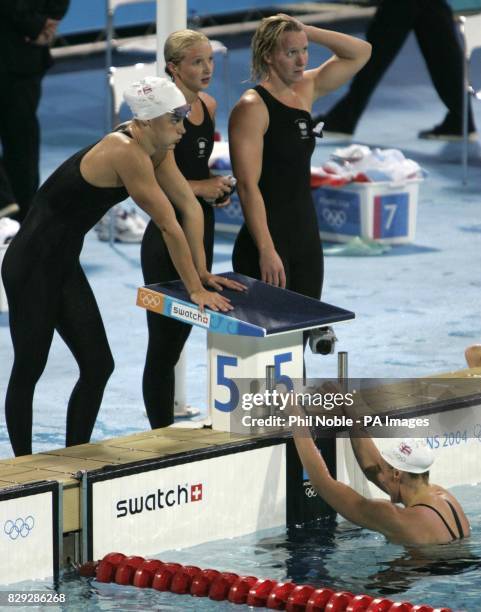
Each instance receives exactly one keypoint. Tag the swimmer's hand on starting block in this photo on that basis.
(211, 299)
(219, 282)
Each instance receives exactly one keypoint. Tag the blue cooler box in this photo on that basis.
(385, 212)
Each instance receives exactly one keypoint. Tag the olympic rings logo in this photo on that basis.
(334, 218)
(19, 527)
(149, 300)
(310, 492)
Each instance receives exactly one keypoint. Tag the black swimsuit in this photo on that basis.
(456, 519)
(285, 187)
(47, 290)
(168, 336)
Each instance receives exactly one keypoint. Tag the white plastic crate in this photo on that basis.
(3, 297)
(384, 212)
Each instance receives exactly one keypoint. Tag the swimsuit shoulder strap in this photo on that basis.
(457, 520)
(122, 128)
(451, 532)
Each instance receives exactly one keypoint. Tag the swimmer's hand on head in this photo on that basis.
(291, 18)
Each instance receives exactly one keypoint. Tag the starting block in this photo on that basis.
(264, 329)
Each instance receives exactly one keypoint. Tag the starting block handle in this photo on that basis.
(270, 377)
(342, 367)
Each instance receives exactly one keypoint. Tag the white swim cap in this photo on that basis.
(409, 455)
(153, 96)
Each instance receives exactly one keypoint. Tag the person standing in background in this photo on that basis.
(433, 24)
(27, 29)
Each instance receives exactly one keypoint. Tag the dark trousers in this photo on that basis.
(439, 41)
(20, 138)
(6, 193)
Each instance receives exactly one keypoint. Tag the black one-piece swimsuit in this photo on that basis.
(168, 336)
(285, 188)
(47, 290)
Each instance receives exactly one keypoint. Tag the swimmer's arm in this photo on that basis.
(173, 182)
(369, 459)
(135, 170)
(366, 452)
(350, 54)
(247, 124)
(382, 516)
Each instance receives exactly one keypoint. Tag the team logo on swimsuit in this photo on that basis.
(303, 127)
(201, 147)
(405, 449)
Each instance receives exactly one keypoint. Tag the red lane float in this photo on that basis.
(259, 593)
(239, 591)
(279, 595)
(162, 579)
(401, 606)
(202, 582)
(319, 599)
(114, 557)
(126, 569)
(183, 578)
(219, 586)
(298, 598)
(339, 601)
(144, 575)
(379, 604)
(359, 603)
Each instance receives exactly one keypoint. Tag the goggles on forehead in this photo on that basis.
(181, 112)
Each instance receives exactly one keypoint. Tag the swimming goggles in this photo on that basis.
(180, 113)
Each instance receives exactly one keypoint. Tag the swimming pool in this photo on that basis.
(324, 553)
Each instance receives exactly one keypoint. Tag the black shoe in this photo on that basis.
(441, 132)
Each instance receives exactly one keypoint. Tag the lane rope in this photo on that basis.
(250, 590)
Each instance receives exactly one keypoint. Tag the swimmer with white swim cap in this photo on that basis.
(136, 160)
(431, 514)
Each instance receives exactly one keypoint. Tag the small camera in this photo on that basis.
(223, 198)
(322, 340)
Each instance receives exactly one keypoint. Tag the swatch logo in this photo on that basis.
(160, 500)
(190, 315)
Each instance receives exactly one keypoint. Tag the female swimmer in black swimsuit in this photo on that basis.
(45, 284)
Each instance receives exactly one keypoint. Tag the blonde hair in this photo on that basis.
(177, 44)
(265, 40)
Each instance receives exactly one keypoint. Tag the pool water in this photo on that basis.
(324, 553)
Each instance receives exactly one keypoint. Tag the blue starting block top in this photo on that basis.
(263, 310)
